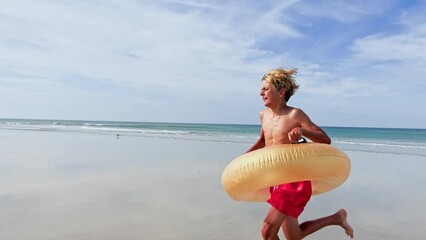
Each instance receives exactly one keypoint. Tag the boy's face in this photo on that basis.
(270, 95)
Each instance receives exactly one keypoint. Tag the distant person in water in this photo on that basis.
(283, 124)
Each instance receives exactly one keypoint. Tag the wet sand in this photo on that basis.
(58, 185)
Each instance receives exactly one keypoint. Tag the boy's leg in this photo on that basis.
(292, 230)
(272, 223)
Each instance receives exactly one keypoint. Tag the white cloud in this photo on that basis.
(396, 59)
(409, 45)
(135, 44)
(274, 23)
(344, 88)
(154, 50)
(194, 4)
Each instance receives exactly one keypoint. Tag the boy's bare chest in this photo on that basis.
(276, 130)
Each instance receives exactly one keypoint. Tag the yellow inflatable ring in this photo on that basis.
(249, 176)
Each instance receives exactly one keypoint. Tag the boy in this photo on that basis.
(283, 124)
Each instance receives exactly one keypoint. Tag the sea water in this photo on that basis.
(380, 140)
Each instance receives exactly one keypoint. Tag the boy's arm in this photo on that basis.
(308, 129)
(260, 143)
(315, 133)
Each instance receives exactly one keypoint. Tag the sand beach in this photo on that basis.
(64, 185)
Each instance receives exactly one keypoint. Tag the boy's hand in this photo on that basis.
(295, 135)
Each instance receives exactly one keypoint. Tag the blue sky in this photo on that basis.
(360, 64)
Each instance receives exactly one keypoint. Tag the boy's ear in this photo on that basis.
(283, 91)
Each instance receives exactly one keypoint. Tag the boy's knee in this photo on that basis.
(265, 229)
(269, 230)
(293, 236)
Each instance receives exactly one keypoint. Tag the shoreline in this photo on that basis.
(201, 123)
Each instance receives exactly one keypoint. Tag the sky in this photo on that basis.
(360, 63)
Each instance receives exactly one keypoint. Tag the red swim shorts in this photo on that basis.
(291, 198)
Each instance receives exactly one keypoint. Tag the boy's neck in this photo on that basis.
(278, 109)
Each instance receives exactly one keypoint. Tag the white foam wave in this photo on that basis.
(379, 144)
(153, 131)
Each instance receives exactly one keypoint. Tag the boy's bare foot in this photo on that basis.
(343, 222)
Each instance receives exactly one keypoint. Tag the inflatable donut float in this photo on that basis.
(249, 176)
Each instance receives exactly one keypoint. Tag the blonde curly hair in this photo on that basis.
(282, 78)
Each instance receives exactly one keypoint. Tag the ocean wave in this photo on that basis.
(117, 129)
(382, 144)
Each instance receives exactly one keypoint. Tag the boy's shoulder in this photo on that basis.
(294, 111)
